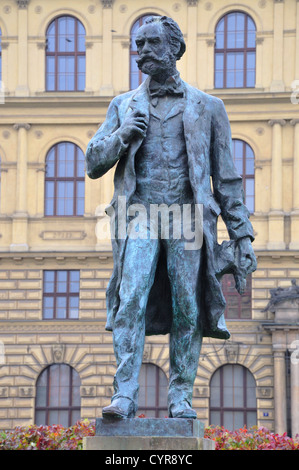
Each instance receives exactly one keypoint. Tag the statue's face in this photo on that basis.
(154, 50)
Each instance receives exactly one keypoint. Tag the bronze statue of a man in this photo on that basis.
(168, 140)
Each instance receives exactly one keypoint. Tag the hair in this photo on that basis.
(172, 30)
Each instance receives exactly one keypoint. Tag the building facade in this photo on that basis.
(61, 64)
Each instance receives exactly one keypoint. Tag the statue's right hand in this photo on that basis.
(134, 124)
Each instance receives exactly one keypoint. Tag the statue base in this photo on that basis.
(169, 434)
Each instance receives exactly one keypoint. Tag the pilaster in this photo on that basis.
(294, 244)
(22, 88)
(107, 86)
(276, 214)
(278, 46)
(20, 217)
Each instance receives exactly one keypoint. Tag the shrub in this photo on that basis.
(54, 437)
(250, 439)
(57, 437)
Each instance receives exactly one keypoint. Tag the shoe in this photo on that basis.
(182, 410)
(120, 408)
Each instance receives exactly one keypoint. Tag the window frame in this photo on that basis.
(56, 54)
(55, 295)
(157, 407)
(221, 408)
(226, 50)
(235, 294)
(246, 176)
(60, 179)
(48, 408)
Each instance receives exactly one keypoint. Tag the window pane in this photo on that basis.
(215, 418)
(74, 281)
(61, 281)
(81, 37)
(51, 37)
(219, 80)
(41, 395)
(74, 307)
(50, 75)
(219, 61)
(40, 418)
(219, 40)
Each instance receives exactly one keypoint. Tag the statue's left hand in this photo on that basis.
(247, 259)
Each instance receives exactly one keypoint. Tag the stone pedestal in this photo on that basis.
(149, 434)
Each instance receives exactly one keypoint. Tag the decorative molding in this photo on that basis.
(210, 42)
(259, 40)
(264, 392)
(58, 352)
(26, 392)
(201, 392)
(232, 352)
(282, 122)
(125, 44)
(63, 235)
(88, 391)
(192, 3)
(293, 122)
(3, 392)
(107, 3)
(21, 125)
(278, 1)
(22, 4)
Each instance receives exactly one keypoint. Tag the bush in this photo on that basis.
(57, 437)
(250, 439)
(54, 437)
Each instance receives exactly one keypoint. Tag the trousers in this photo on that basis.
(139, 267)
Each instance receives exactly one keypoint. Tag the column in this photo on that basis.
(276, 214)
(277, 77)
(295, 396)
(280, 398)
(107, 86)
(20, 216)
(22, 88)
(192, 42)
(89, 64)
(259, 62)
(297, 44)
(294, 244)
(210, 42)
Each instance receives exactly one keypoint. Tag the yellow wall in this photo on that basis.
(32, 120)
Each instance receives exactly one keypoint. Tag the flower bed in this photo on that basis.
(57, 437)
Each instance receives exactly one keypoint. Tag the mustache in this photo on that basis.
(147, 57)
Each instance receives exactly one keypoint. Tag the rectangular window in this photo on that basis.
(61, 295)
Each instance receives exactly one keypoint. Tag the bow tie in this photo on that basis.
(171, 88)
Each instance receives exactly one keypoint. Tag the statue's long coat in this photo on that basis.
(208, 143)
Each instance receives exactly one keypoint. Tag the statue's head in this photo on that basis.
(160, 43)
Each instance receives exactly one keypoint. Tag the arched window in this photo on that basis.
(64, 182)
(136, 76)
(237, 306)
(58, 396)
(233, 397)
(0, 58)
(65, 55)
(235, 51)
(152, 392)
(244, 161)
